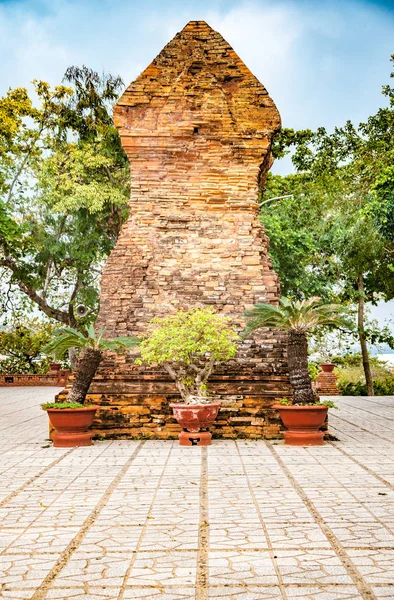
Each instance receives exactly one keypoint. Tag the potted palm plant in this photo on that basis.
(188, 345)
(304, 416)
(73, 418)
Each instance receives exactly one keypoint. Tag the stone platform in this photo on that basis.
(244, 520)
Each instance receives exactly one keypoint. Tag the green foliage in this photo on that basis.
(335, 236)
(286, 402)
(313, 370)
(65, 338)
(355, 359)
(22, 345)
(328, 403)
(83, 176)
(351, 380)
(62, 405)
(188, 344)
(296, 248)
(186, 336)
(64, 186)
(340, 221)
(299, 316)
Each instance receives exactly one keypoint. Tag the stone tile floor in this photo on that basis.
(245, 520)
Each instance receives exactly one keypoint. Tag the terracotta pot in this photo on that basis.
(303, 424)
(55, 366)
(71, 426)
(327, 367)
(192, 418)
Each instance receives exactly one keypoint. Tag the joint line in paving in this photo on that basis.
(364, 589)
(50, 504)
(32, 479)
(352, 436)
(13, 465)
(380, 437)
(202, 574)
(264, 527)
(382, 523)
(41, 592)
(370, 412)
(148, 517)
(367, 469)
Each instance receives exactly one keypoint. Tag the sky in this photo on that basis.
(323, 61)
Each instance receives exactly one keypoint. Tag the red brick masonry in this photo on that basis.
(326, 384)
(197, 128)
(58, 378)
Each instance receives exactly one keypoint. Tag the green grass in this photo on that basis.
(64, 405)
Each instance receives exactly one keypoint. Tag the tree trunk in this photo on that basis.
(88, 363)
(73, 358)
(297, 354)
(363, 341)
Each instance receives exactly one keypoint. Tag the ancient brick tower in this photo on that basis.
(197, 127)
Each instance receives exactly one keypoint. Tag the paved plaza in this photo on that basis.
(245, 520)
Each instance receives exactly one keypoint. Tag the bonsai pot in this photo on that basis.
(71, 426)
(303, 424)
(54, 366)
(192, 418)
(327, 367)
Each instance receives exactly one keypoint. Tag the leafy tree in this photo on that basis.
(297, 226)
(188, 345)
(298, 318)
(22, 346)
(343, 185)
(91, 346)
(63, 192)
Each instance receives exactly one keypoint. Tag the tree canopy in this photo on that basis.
(64, 186)
(335, 236)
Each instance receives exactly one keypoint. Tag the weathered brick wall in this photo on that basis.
(197, 128)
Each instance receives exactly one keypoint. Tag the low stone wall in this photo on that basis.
(135, 402)
(54, 378)
(130, 416)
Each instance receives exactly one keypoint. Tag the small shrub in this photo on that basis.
(188, 345)
(313, 370)
(351, 379)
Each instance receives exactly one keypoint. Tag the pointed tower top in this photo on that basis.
(197, 80)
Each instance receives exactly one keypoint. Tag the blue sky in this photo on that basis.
(323, 62)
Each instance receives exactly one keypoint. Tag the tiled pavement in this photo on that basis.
(240, 520)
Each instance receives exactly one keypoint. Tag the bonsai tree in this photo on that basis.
(298, 318)
(91, 346)
(188, 345)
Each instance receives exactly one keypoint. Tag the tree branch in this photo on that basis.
(182, 389)
(208, 369)
(75, 291)
(53, 313)
(23, 163)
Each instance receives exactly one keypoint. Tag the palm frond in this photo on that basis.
(91, 332)
(64, 339)
(263, 315)
(298, 315)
